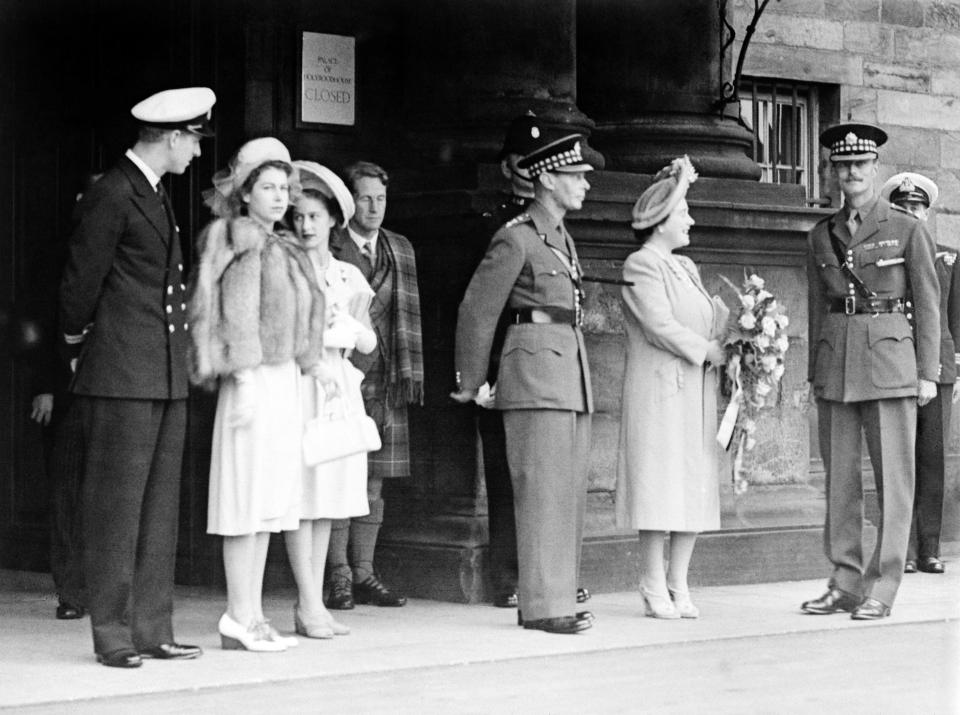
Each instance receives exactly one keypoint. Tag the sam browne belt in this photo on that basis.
(855, 304)
(547, 314)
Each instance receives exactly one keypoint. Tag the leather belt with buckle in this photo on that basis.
(852, 304)
(563, 316)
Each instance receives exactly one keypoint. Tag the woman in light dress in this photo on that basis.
(256, 323)
(667, 473)
(337, 489)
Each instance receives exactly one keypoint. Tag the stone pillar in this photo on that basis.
(469, 68)
(649, 73)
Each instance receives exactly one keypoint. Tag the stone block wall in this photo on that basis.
(896, 64)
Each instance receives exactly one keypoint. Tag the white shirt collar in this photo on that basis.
(147, 171)
(361, 240)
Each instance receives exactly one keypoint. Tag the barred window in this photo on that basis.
(783, 117)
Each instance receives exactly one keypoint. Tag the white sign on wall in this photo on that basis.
(328, 87)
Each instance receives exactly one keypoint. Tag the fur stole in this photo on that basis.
(253, 300)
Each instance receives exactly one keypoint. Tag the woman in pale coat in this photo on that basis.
(335, 489)
(667, 472)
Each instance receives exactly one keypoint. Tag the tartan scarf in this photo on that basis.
(404, 379)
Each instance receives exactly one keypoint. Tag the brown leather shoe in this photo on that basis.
(506, 599)
(581, 616)
(870, 610)
(172, 651)
(833, 601)
(372, 590)
(121, 658)
(341, 592)
(910, 566)
(563, 624)
(931, 564)
(583, 595)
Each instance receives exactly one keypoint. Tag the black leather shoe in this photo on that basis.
(583, 595)
(68, 612)
(581, 615)
(341, 593)
(870, 610)
(563, 624)
(506, 599)
(172, 651)
(931, 564)
(372, 590)
(833, 601)
(122, 658)
(910, 566)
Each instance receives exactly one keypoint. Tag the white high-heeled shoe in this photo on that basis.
(658, 606)
(685, 607)
(274, 635)
(323, 625)
(234, 636)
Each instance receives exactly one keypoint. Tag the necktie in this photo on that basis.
(167, 206)
(853, 223)
(366, 250)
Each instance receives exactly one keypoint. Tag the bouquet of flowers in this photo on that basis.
(756, 344)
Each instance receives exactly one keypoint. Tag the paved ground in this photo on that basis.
(751, 652)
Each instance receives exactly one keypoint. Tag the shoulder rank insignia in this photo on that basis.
(517, 220)
(949, 257)
(902, 210)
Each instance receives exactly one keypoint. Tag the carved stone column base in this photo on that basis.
(718, 147)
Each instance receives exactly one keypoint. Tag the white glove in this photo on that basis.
(326, 378)
(245, 405)
(486, 396)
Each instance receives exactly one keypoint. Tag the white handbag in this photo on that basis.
(335, 434)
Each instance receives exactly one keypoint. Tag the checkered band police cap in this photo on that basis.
(853, 141)
(564, 154)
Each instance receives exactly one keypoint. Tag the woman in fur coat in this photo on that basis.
(256, 322)
(335, 489)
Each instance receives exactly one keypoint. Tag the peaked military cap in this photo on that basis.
(908, 186)
(188, 109)
(522, 135)
(853, 141)
(565, 154)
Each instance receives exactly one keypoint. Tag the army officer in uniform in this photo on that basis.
(916, 193)
(543, 383)
(123, 314)
(868, 370)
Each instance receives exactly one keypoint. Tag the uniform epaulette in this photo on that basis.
(902, 210)
(949, 257)
(517, 220)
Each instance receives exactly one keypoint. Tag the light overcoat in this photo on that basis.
(667, 472)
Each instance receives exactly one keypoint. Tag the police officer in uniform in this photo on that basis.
(871, 272)
(123, 311)
(916, 193)
(543, 382)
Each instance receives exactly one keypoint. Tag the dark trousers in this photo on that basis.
(890, 429)
(933, 428)
(500, 517)
(549, 452)
(63, 441)
(131, 502)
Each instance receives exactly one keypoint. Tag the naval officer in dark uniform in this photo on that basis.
(543, 383)
(916, 193)
(123, 314)
(871, 271)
